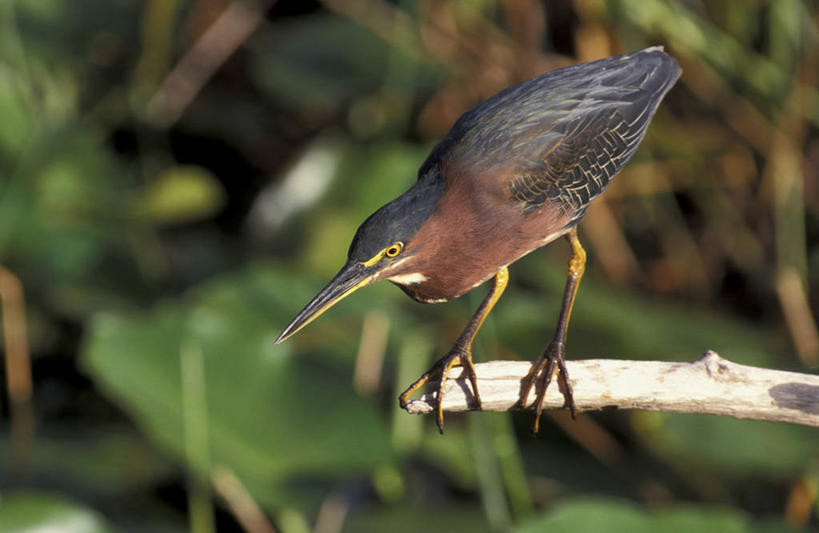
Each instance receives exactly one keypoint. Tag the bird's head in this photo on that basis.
(381, 249)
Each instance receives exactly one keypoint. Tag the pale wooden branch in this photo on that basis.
(710, 385)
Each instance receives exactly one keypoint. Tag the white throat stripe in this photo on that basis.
(408, 279)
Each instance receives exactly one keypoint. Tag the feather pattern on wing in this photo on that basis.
(561, 136)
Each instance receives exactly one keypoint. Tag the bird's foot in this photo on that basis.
(457, 356)
(551, 361)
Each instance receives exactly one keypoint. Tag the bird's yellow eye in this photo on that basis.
(394, 250)
(388, 252)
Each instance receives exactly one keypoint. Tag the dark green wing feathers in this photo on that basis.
(580, 166)
(565, 134)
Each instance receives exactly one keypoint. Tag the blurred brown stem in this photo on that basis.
(18, 370)
(200, 63)
(371, 351)
(241, 503)
(785, 172)
(710, 385)
(798, 316)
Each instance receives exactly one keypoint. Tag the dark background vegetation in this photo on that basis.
(178, 177)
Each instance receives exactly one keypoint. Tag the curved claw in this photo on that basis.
(403, 399)
(551, 362)
(457, 356)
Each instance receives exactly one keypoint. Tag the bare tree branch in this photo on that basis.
(710, 385)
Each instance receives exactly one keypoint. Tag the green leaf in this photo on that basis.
(38, 512)
(614, 516)
(272, 418)
(180, 194)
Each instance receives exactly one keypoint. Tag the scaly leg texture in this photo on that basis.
(553, 358)
(461, 353)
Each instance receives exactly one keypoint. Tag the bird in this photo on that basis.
(513, 174)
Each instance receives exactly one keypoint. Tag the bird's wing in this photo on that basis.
(593, 146)
(560, 137)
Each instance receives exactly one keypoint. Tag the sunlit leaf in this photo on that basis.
(180, 194)
(39, 512)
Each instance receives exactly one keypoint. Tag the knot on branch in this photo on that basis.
(716, 367)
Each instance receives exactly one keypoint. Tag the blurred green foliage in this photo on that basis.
(267, 409)
(614, 516)
(43, 512)
(163, 243)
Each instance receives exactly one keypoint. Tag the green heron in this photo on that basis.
(513, 174)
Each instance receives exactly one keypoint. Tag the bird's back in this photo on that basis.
(560, 137)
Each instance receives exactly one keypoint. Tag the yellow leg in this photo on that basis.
(461, 352)
(552, 360)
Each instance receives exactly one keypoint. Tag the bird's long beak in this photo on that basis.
(352, 276)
